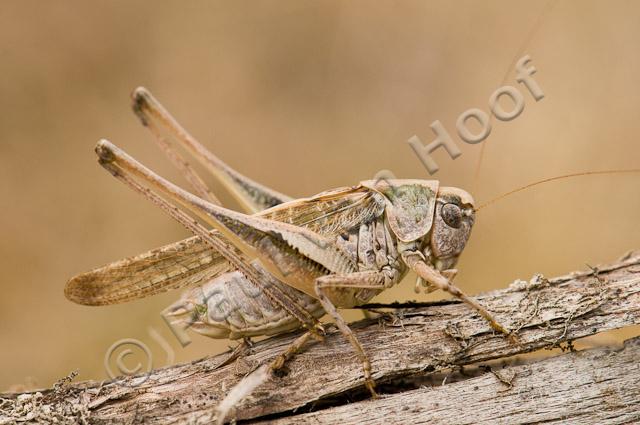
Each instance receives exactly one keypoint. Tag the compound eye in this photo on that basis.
(452, 215)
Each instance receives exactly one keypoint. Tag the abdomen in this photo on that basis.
(229, 306)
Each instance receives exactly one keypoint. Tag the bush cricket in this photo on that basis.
(284, 263)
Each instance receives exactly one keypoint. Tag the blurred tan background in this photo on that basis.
(302, 96)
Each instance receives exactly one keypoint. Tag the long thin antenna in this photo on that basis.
(525, 43)
(550, 179)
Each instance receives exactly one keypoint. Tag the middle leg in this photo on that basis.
(366, 280)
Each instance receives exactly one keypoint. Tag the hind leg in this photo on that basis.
(252, 195)
(258, 377)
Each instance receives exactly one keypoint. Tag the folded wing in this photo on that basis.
(193, 261)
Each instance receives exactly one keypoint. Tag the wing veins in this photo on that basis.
(133, 277)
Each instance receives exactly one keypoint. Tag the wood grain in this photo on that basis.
(413, 343)
(598, 386)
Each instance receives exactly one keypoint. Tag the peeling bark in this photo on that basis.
(407, 347)
(599, 386)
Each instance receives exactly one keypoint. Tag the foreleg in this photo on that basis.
(437, 280)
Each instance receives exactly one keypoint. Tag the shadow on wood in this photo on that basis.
(408, 346)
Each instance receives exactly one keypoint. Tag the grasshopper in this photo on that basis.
(283, 263)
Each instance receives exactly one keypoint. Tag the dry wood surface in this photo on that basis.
(434, 363)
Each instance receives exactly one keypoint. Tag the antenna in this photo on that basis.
(527, 40)
(550, 179)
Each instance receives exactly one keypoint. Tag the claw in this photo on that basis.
(371, 386)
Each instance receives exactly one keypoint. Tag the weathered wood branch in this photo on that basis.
(599, 386)
(406, 348)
